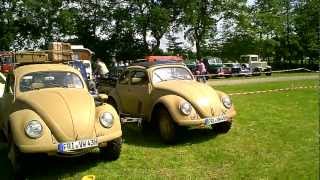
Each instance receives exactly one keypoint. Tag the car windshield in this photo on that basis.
(170, 73)
(49, 79)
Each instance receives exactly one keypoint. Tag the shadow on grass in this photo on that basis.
(50, 167)
(136, 136)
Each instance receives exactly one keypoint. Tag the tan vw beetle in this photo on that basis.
(167, 95)
(47, 109)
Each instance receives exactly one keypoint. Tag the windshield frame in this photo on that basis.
(164, 67)
(80, 79)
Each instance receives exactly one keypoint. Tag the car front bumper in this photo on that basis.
(201, 122)
(52, 148)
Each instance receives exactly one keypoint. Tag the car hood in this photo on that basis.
(203, 98)
(68, 113)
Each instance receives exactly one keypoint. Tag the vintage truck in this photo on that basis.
(255, 65)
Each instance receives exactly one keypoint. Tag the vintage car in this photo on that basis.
(168, 96)
(2, 83)
(47, 109)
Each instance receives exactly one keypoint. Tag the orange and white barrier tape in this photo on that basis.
(273, 90)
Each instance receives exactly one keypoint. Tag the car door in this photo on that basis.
(122, 90)
(138, 92)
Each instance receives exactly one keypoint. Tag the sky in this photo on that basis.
(180, 35)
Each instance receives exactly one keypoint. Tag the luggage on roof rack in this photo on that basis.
(31, 57)
(57, 52)
(60, 51)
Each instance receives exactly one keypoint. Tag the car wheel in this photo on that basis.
(112, 150)
(17, 160)
(222, 127)
(167, 127)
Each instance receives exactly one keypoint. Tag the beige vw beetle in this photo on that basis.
(167, 95)
(47, 109)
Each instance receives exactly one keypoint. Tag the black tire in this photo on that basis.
(167, 128)
(112, 150)
(17, 160)
(268, 74)
(221, 128)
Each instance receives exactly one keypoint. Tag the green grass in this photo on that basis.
(274, 136)
(285, 74)
(265, 86)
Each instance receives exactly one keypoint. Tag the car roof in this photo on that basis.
(148, 64)
(25, 69)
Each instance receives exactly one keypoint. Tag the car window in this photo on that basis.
(170, 73)
(139, 78)
(50, 79)
(124, 78)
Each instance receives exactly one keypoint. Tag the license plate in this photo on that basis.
(77, 145)
(214, 120)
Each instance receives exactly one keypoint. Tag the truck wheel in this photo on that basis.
(112, 150)
(268, 74)
(167, 127)
(222, 127)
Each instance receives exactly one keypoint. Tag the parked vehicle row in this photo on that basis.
(248, 65)
(47, 107)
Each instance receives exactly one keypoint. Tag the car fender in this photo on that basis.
(171, 103)
(231, 112)
(115, 96)
(100, 130)
(17, 123)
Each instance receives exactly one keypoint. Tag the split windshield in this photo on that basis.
(41, 80)
(170, 73)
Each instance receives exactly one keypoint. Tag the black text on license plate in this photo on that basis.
(214, 120)
(76, 145)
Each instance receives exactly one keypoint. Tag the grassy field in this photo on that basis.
(274, 136)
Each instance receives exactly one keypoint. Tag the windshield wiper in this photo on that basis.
(159, 77)
(177, 77)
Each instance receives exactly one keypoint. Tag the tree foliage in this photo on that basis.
(279, 31)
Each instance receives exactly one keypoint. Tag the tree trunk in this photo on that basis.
(198, 48)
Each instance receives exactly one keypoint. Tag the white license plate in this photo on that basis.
(214, 120)
(76, 145)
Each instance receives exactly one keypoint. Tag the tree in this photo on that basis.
(174, 47)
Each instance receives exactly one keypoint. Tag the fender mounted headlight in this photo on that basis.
(33, 129)
(185, 108)
(106, 120)
(226, 101)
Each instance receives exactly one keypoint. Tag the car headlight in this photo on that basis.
(33, 129)
(106, 119)
(185, 108)
(226, 101)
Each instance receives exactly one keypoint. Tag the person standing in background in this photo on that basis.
(201, 71)
(101, 69)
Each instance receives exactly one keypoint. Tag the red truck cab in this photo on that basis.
(6, 61)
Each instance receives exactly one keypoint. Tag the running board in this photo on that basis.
(131, 120)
